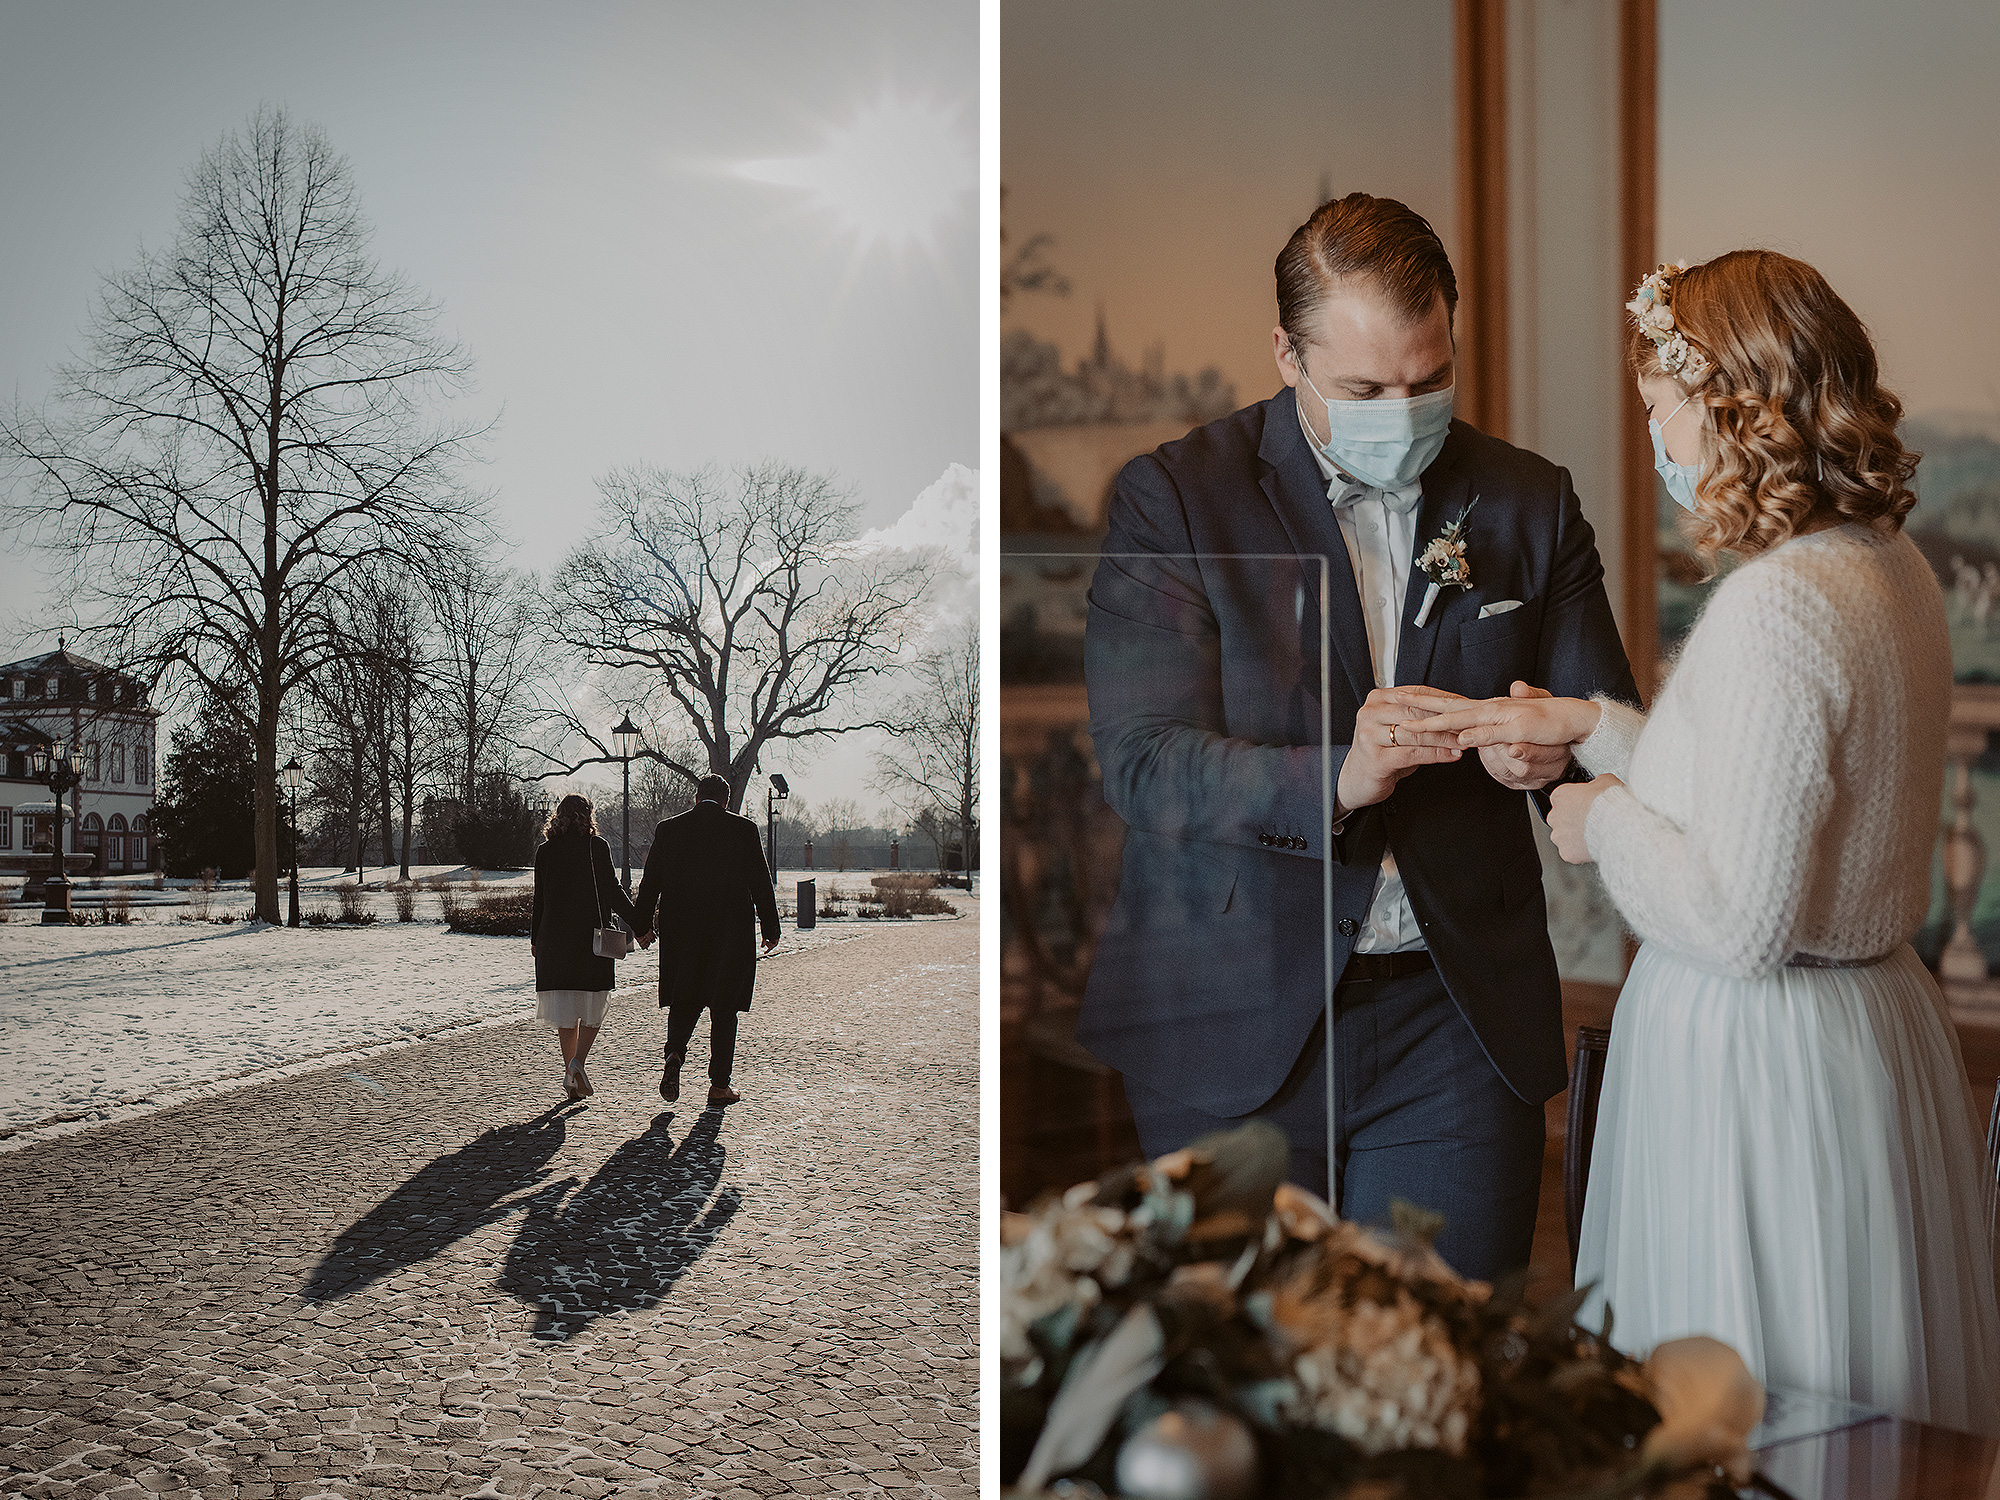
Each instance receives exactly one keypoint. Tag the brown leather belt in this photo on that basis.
(1364, 968)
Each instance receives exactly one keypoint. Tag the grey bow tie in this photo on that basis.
(1343, 492)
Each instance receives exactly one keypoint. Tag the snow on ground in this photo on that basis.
(102, 1021)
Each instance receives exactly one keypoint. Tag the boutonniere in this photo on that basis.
(1443, 562)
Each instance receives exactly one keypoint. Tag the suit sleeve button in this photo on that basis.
(1264, 839)
(1348, 927)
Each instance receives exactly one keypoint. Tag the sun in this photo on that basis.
(891, 177)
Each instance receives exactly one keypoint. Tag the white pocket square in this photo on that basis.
(1498, 607)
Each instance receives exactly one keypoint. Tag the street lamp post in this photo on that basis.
(54, 766)
(294, 773)
(777, 793)
(625, 734)
(540, 807)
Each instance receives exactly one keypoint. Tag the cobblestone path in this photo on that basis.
(418, 1275)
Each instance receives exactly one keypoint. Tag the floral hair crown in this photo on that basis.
(1652, 307)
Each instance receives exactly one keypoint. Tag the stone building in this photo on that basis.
(106, 718)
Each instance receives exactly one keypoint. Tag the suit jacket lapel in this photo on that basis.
(1447, 491)
(1297, 493)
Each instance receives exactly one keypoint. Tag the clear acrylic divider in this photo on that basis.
(1212, 765)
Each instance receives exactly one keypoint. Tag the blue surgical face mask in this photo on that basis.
(1680, 479)
(1387, 442)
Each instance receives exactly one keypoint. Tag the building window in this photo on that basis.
(139, 831)
(114, 841)
(20, 687)
(142, 765)
(96, 758)
(117, 692)
(92, 693)
(90, 837)
(6, 827)
(117, 762)
(49, 687)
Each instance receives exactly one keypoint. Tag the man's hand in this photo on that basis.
(1384, 752)
(645, 940)
(769, 944)
(1569, 807)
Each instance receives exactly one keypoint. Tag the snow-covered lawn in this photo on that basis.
(105, 1020)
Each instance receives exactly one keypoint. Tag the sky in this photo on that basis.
(1172, 146)
(666, 233)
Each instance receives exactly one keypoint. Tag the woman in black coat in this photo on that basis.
(576, 892)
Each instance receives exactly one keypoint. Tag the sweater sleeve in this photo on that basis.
(1767, 701)
(1608, 750)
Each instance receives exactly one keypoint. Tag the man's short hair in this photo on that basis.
(1388, 242)
(712, 789)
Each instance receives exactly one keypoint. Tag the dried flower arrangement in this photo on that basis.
(1195, 1328)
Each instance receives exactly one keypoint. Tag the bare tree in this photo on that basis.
(932, 764)
(489, 651)
(244, 432)
(745, 619)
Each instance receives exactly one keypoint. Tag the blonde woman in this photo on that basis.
(576, 892)
(1787, 1154)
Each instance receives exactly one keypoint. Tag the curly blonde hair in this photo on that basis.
(1797, 426)
(573, 814)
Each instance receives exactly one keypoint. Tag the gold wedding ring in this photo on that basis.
(1392, 737)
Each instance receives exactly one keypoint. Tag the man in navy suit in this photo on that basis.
(1203, 664)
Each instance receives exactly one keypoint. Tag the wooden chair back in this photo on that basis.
(1586, 1082)
(1993, 1169)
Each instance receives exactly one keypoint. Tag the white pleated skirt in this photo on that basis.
(1795, 1165)
(563, 1009)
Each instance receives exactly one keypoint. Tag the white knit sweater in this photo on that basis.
(1783, 796)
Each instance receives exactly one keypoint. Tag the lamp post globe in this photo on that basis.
(777, 792)
(294, 773)
(625, 734)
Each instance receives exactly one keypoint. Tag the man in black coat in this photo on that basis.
(705, 876)
(1208, 691)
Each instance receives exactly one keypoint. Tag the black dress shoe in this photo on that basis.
(670, 1076)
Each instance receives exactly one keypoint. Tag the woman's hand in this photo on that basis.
(1569, 808)
(1527, 716)
(1523, 739)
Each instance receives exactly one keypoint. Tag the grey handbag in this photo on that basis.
(610, 941)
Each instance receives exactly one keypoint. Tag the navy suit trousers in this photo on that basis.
(1424, 1117)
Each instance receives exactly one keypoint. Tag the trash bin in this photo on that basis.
(808, 904)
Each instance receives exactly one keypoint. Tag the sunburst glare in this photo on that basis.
(891, 177)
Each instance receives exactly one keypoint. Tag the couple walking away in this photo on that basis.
(704, 879)
(1787, 1155)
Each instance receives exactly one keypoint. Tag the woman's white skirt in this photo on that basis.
(563, 1009)
(1795, 1165)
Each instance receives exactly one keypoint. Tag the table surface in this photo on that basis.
(1886, 1458)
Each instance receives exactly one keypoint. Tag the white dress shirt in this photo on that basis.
(1381, 545)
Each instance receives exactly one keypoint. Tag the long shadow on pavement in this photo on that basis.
(448, 1199)
(628, 1234)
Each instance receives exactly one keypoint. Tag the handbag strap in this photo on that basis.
(596, 896)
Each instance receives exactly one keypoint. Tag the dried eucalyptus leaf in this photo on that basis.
(1100, 1380)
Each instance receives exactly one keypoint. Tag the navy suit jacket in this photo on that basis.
(1204, 680)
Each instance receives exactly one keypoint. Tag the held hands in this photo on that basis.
(1569, 807)
(1386, 749)
(645, 940)
(1524, 739)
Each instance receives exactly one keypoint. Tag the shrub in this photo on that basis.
(497, 914)
(406, 903)
(911, 880)
(121, 905)
(829, 904)
(220, 919)
(352, 908)
(924, 903)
